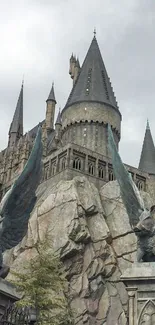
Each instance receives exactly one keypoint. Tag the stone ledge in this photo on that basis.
(8, 289)
(139, 271)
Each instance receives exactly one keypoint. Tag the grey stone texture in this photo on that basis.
(85, 124)
(140, 283)
(90, 230)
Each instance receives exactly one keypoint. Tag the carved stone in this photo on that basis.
(140, 283)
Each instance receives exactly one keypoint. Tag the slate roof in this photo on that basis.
(58, 120)
(147, 159)
(93, 83)
(17, 122)
(51, 96)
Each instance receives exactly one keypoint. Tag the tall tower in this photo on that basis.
(147, 159)
(91, 105)
(16, 127)
(50, 110)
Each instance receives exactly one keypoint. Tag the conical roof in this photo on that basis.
(58, 120)
(17, 122)
(147, 159)
(93, 83)
(51, 96)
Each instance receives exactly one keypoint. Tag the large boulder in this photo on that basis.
(92, 234)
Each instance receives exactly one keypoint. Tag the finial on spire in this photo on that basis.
(147, 125)
(94, 32)
(23, 81)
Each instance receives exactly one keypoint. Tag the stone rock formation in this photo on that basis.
(91, 232)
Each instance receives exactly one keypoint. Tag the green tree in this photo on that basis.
(43, 285)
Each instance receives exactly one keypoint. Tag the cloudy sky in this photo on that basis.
(37, 38)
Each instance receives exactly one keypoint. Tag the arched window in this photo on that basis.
(63, 163)
(91, 168)
(46, 172)
(100, 172)
(140, 185)
(77, 163)
(111, 175)
(53, 169)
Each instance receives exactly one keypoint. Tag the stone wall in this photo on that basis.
(91, 231)
(85, 124)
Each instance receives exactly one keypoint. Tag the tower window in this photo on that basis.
(91, 168)
(111, 175)
(140, 185)
(63, 163)
(77, 163)
(53, 169)
(88, 81)
(101, 172)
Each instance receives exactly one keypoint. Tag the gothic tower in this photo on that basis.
(50, 110)
(91, 105)
(16, 127)
(147, 159)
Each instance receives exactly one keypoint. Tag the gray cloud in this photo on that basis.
(37, 39)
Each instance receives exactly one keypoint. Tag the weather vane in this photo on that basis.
(94, 32)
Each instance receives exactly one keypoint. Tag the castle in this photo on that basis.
(78, 143)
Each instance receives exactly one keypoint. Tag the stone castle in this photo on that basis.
(78, 143)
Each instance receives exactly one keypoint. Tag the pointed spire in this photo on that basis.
(51, 96)
(147, 159)
(93, 83)
(58, 120)
(77, 64)
(17, 122)
(147, 125)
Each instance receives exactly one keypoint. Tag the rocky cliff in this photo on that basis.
(91, 232)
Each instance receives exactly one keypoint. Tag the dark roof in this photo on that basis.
(93, 83)
(58, 120)
(17, 122)
(147, 159)
(51, 95)
(33, 131)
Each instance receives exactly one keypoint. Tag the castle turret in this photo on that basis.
(76, 71)
(147, 159)
(91, 106)
(16, 127)
(50, 110)
(72, 65)
(58, 126)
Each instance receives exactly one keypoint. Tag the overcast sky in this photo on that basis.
(37, 38)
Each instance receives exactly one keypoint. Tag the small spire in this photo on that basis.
(94, 32)
(51, 96)
(58, 120)
(77, 64)
(147, 158)
(27, 138)
(17, 122)
(147, 125)
(72, 58)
